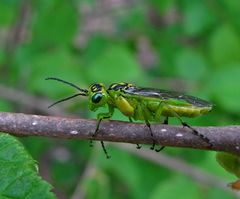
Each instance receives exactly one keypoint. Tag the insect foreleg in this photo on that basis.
(194, 131)
(138, 146)
(100, 117)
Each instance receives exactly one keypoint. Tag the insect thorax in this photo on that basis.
(120, 86)
(116, 90)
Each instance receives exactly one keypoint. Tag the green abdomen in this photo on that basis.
(152, 108)
(192, 111)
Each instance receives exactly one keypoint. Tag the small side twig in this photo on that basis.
(223, 138)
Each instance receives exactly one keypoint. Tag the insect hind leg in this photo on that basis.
(194, 131)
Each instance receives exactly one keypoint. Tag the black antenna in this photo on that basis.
(83, 92)
(70, 84)
(64, 99)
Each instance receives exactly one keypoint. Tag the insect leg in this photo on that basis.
(157, 117)
(143, 111)
(138, 146)
(194, 131)
(97, 127)
(165, 120)
(95, 132)
(150, 129)
(102, 116)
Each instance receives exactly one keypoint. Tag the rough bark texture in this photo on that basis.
(225, 138)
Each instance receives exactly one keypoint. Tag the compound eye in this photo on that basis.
(97, 97)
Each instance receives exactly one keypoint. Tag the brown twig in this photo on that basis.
(223, 138)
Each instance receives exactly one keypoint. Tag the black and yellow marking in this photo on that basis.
(98, 87)
(119, 86)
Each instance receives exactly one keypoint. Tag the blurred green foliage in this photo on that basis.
(188, 45)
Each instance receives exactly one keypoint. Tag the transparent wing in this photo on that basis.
(165, 95)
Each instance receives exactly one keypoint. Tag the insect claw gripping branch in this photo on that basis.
(144, 104)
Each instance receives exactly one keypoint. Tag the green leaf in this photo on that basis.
(229, 162)
(18, 172)
(224, 46)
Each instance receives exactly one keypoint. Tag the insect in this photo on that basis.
(145, 104)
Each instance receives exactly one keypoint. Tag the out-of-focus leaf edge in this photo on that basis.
(19, 172)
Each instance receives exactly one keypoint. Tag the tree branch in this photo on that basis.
(223, 138)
